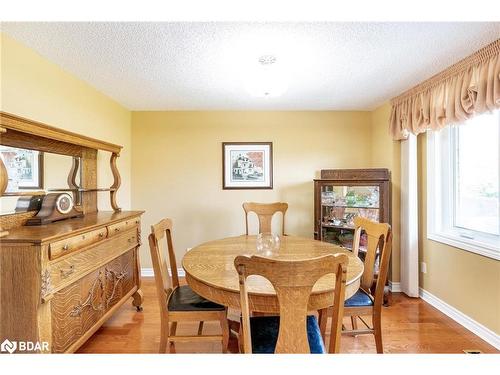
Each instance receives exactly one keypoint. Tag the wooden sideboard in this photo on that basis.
(61, 281)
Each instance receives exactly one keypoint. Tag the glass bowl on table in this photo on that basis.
(267, 244)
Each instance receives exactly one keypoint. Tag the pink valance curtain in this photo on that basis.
(470, 87)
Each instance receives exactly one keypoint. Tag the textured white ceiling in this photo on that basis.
(203, 66)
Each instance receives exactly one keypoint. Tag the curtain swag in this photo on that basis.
(467, 88)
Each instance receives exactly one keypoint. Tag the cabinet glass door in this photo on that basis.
(340, 204)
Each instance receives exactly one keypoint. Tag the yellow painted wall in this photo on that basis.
(467, 281)
(386, 153)
(177, 167)
(35, 88)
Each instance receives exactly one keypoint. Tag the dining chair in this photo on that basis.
(265, 213)
(368, 300)
(293, 331)
(179, 303)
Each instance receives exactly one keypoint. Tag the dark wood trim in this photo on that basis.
(271, 166)
(379, 174)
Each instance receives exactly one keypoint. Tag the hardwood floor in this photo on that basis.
(409, 326)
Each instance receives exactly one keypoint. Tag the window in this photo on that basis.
(463, 174)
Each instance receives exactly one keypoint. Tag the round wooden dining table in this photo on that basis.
(210, 272)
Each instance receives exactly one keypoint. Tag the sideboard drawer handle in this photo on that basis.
(66, 247)
(83, 237)
(101, 234)
(117, 229)
(66, 273)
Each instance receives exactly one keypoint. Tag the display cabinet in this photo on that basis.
(341, 195)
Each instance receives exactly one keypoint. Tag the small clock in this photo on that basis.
(55, 207)
(64, 203)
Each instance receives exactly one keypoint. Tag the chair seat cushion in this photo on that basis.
(359, 299)
(264, 332)
(184, 299)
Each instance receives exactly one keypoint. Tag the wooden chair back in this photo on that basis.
(379, 237)
(265, 213)
(293, 282)
(161, 237)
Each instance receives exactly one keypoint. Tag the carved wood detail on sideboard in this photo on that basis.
(117, 181)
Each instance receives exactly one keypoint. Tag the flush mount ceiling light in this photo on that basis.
(267, 78)
(267, 59)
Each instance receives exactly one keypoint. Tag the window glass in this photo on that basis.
(477, 174)
(463, 174)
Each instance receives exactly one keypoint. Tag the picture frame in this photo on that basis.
(24, 168)
(247, 165)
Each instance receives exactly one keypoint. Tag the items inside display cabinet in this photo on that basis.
(340, 205)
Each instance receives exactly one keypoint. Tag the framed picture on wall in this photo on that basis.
(247, 165)
(24, 168)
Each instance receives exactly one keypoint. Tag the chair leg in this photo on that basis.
(354, 322)
(164, 333)
(377, 328)
(224, 324)
(322, 320)
(240, 338)
(173, 329)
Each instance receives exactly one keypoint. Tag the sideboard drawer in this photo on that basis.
(70, 268)
(68, 245)
(123, 226)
